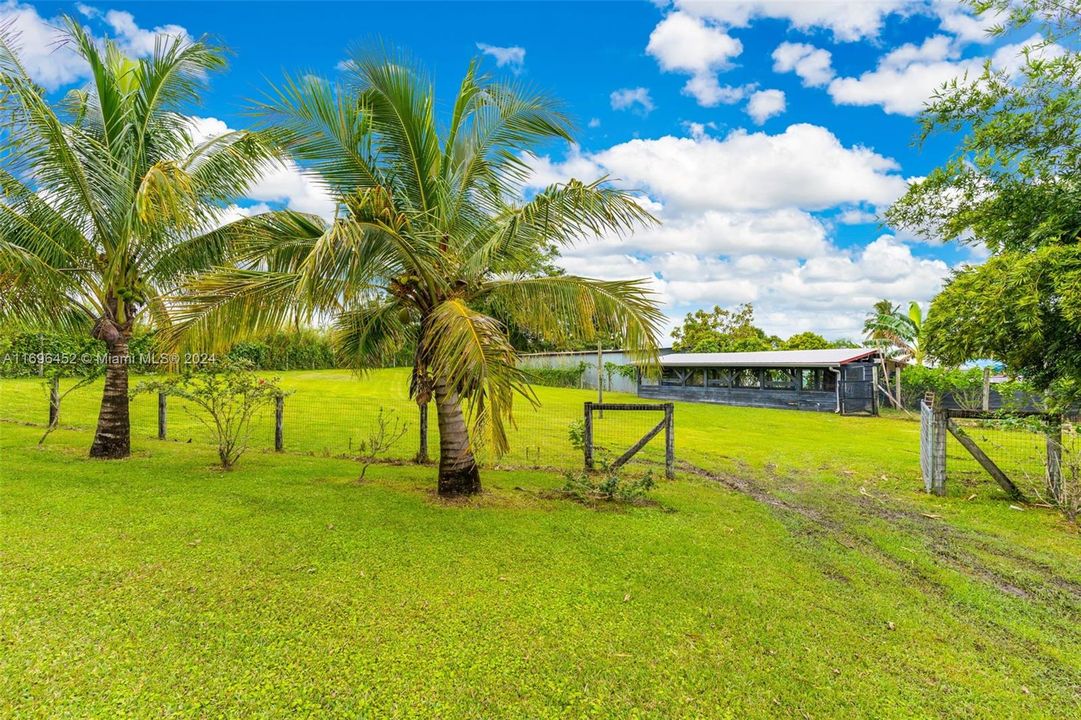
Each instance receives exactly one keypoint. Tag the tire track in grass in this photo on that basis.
(942, 551)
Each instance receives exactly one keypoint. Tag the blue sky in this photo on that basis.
(764, 135)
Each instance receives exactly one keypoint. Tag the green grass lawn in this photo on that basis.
(793, 569)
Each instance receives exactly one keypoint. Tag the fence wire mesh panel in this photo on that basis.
(616, 431)
(334, 414)
(1020, 447)
(928, 457)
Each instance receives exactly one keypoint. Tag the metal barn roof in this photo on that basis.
(769, 358)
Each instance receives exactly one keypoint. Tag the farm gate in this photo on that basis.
(666, 424)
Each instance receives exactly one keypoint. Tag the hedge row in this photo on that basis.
(24, 354)
(569, 377)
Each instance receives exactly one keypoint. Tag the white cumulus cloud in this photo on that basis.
(764, 104)
(684, 43)
(513, 57)
(52, 63)
(847, 20)
(907, 77)
(632, 99)
(813, 65)
(738, 223)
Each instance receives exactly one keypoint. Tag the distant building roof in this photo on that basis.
(770, 358)
(593, 353)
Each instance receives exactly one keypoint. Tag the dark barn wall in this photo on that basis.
(821, 400)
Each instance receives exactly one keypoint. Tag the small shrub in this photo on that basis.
(608, 487)
(576, 432)
(226, 396)
(388, 430)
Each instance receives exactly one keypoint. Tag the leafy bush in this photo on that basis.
(916, 381)
(224, 397)
(607, 487)
(965, 387)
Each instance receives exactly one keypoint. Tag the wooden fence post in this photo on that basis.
(587, 436)
(1054, 461)
(600, 379)
(986, 404)
(54, 401)
(279, 414)
(669, 441)
(162, 415)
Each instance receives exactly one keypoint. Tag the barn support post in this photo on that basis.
(897, 387)
(986, 404)
(54, 401)
(162, 415)
(279, 416)
(1054, 461)
(874, 389)
(587, 436)
(669, 441)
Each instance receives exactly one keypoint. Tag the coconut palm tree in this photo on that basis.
(889, 328)
(430, 244)
(107, 198)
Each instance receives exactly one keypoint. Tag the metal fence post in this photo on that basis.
(669, 441)
(587, 436)
(279, 413)
(162, 415)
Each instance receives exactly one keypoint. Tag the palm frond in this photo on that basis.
(562, 215)
(401, 111)
(372, 334)
(567, 309)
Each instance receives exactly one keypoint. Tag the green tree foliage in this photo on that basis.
(1013, 185)
(429, 247)
(107, 199)
(721, 330)
(807, 341)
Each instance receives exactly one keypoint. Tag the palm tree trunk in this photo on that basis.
(458, 472)
(113, 436)
(422, 451)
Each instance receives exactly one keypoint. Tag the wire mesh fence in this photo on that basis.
(615, 432)
(336, 413)
(1025, 449)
